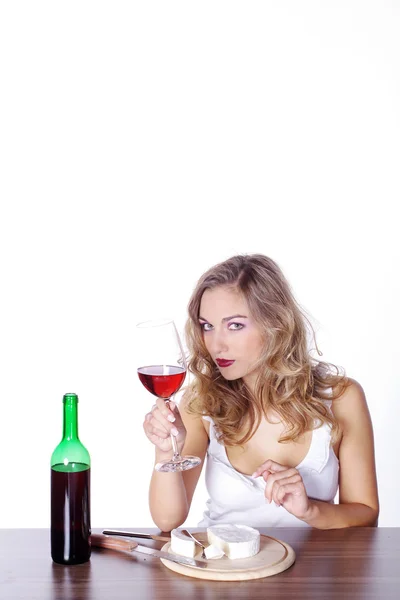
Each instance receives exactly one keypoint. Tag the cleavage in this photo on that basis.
(264, 445)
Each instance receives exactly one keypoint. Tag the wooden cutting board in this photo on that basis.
(274, 557)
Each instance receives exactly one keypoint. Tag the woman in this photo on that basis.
(274, 422)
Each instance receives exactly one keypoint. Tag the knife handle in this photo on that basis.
(104, 541)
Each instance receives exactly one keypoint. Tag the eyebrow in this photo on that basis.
(227, 318)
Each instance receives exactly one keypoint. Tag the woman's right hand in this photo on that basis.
(162, 421)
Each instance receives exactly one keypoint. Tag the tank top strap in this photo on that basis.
(212, 433)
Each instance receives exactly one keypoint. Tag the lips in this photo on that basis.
(221, 362)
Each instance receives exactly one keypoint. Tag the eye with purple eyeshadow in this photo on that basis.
(237, 326)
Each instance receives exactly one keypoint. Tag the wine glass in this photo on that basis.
(162, 373)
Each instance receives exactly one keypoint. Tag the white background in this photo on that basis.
(143, 142)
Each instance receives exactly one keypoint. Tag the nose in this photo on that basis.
(218, 343)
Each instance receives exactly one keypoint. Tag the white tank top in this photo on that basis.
(239, 499)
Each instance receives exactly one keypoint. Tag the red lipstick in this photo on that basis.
(221, 362)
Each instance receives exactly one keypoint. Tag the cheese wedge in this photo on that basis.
(182, 544)
(212, 552)
(237, 541)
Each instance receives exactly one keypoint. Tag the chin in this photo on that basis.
(231, 376)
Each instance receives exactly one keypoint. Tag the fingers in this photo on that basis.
(295, 489)
(163, 417)
(269, 466)
(284, 486)
(164, 409)
(273, 480)
(280, 480)
(277, 487)
(161, 422)
(153, 426)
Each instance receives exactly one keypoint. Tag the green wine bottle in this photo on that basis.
(70, 492)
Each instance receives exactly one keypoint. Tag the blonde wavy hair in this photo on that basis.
(290, 382)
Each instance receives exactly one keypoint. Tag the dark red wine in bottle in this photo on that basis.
(70, 514)
(70, 492)
(162, 380)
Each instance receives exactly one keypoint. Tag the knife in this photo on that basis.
(104, 541)
(137, 534)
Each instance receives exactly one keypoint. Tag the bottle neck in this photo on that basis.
(70, 427)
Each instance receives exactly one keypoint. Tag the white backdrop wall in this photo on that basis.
(141, 143)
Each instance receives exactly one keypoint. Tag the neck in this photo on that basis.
(70, 429)
(250, 382)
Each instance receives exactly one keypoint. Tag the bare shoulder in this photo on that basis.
(351, 405)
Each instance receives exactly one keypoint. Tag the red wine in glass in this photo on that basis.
(160, 348)
(162, 380)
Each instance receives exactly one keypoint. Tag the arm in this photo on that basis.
(358, 490)
(171, 494)
(358, 494)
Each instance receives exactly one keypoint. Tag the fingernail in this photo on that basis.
(277, 505)
(171, 418)
(267, 501)
(255, 474)
(174, 431)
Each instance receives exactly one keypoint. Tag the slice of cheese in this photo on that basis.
(182, 544)
(212, 552)
(237, 541)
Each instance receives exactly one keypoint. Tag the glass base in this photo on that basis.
(183, 464)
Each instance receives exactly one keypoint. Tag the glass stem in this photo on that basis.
(176, 455)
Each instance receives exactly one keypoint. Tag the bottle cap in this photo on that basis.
(70, 397)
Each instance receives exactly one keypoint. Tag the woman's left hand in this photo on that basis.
(285, 487)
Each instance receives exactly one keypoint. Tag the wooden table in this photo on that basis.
(359, 563)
